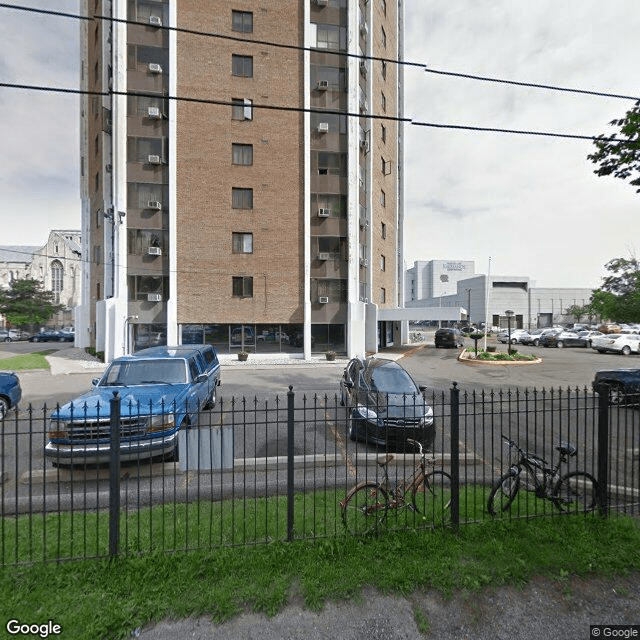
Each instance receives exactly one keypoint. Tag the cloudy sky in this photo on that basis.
(530, 204)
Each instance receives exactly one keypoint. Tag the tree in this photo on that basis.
(576, 311)
(26, 302)
(620, 157)
(619, 296)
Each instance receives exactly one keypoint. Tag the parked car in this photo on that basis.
(624, 385)
(448, 337)
(9, 335)
(562, 339)
(161, 391)
(52, 336)
(10, 392)
(624, 343)
(590, 335)
(532, 337)
(516, 335)
(385, 404)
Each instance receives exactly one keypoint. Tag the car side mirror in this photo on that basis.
(201, 378)
(95, 381)
(348, 384)
(422, 387)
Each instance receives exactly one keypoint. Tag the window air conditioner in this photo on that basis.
(154, 67)
(323, 299)
(155, 21)
(154, 251)
(154, 113)
(154, 297)
(324, 256)
(324, 213)
(323, 127)
(322, 85)
(155, 205)
(153, 159)
(364, 262)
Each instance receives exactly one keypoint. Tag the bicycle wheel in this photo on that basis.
(503, 494)
(575, 492)
(432, 499)
(364, 509)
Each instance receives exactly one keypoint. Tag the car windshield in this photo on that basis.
(392, 380)
(156, 371)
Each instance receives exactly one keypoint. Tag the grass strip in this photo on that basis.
(27, 361)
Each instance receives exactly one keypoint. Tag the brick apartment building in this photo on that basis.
(241, 174)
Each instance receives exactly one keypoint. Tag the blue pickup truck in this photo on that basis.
(161, 390)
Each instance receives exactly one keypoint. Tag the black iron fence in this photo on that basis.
(254, 471)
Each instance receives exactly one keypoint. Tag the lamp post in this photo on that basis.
(509, 315)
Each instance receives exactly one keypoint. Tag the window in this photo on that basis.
(330, 36)
(57, 280)
(383, 263)
(242, 242)
(383, 198)
(384, 70)
(241, 198)
(383, 102)
(334, 164)
(139, 241)
(383, 231)
(384, 37)
(145, 288)
(383, 4)
(383, 133)
(383, 295)
(242, 21)
(139, 149)
(242, 154)
(242, 109)
(242, 66)
(242, 286)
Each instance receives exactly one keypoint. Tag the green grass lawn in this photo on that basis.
(103, 598)
(27, 361)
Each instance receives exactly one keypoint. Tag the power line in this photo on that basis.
(269, 43)
(227, 103)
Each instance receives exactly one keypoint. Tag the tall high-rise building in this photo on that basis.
(241, 174)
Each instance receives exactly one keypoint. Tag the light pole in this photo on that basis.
(509, 315)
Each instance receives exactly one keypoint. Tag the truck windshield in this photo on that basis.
(153, 371)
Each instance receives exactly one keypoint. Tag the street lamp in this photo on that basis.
(509, 315)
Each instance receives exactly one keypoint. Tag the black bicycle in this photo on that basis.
(573, 492)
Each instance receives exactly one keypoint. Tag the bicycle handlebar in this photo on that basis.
(416, 444)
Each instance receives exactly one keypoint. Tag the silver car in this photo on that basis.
(624, 343)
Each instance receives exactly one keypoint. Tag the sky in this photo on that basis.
(525, 205)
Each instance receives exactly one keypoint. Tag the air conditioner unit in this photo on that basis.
(322, 3)
(154, 297)
(324, 256)
(364, 223)
(155, 21)
(154, 113)
(153, 159)
(323, 127)
(324, 213)
(323, 299)
(364, 262)
(363, 69)
(154, 251)
(155, 205)
(322, 85)
(154, 67)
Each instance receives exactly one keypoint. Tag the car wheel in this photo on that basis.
(559, 344)
(626, 350)
(536, 342)
(600, 350)
(4, 408)
(588, 345)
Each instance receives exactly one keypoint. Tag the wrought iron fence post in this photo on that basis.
(290, 498)
(604, 400)
(114, 475)
(454, 404)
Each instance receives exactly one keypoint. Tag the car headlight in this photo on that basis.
(366, 413)
(162, 422)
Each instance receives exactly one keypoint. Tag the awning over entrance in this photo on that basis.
(453, 314)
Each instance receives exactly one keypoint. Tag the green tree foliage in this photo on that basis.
(25, 302)
(620, 156)
(618, 298)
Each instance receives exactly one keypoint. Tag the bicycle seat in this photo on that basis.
(566, 449)
(386, 460)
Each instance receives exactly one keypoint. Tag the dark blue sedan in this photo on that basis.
(10, 392)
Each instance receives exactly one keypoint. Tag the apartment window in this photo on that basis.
(383, 295)
(330, 36)
(242, 242)
(383, 70)
(383, 231)
(145, 150)
(383, 5)
(241, 198)
(139, 241)
(242, 286)
(383, 263)
(383, 101)
(383, 133)
(147, 288)
(384, 37)
(242, 154)
(332, 164)
(57, 280)
(384, 167)
(383, 198)
(242, 66)
(242, 109)
(242, 21)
